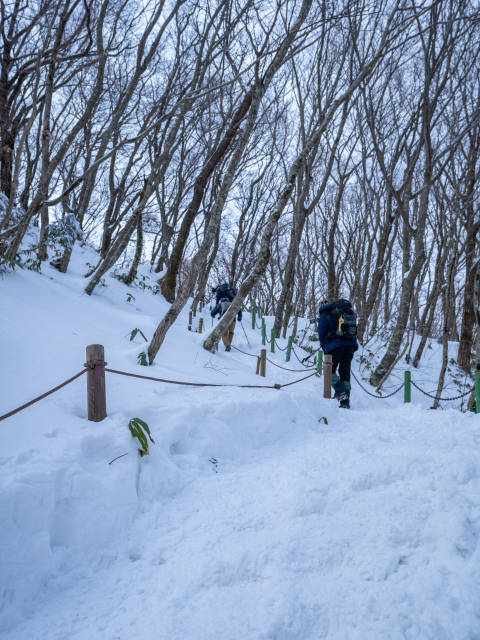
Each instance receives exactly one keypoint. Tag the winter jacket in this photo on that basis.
(217, 309)
(326, 332)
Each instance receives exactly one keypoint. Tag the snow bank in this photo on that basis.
(251, 517)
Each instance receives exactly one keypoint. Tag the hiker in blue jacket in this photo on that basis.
(224, 296)
(337, 331)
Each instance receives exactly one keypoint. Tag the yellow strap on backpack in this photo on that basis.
(340, 322)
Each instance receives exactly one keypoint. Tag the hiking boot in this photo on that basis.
(341, 397)
(340, 391)
(228, 348)
(345, 400)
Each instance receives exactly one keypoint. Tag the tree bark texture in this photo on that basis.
(169, 282)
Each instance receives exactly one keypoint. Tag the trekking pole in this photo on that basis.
(245, 334)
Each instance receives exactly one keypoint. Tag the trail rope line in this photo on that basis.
(295, 381)
(280, 348)
(198, 384)
(44, 395)
(437, 398)
(295, 353)
(295, 370)
(92, 365)
(274, 363)
(373, 395)
(244, 352)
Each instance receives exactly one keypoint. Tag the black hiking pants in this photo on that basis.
(342, 358)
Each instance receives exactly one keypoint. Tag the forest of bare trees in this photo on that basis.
(300, 150)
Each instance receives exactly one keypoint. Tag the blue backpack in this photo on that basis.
(344, 320)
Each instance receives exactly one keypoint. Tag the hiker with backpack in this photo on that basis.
(224, 297)
(337, 332)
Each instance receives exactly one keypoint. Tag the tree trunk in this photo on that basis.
(138, 253)
(468, 314)
(446, 330)
(169, 282)
(206, 273)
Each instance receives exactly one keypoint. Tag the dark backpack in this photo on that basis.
(225, 291)
(344, 320)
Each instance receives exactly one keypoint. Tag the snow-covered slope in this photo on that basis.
(251, 518)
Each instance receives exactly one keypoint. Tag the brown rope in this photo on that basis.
(295, 382)
(11, 413)
(197, 384)
(295, 370)
(244, 352)
(437, 398)
(280, 348)
(204, 384)
(92, 365)
(373, 395)
(274, 363)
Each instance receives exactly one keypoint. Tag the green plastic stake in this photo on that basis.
(272, 341)
(477, 391)
(264, 332)
(408, 387)
(320, 363)
(289, 348)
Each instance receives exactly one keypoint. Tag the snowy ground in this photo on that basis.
(363, 528)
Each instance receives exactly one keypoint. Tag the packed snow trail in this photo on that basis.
(250, 519)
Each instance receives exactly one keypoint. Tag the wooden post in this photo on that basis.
(258, 364)
(407, 393)
(190, 318)
(327, 379)
(289, 349)
(272, 341)
(264, 332)
(96, 394)
(320, 362)
(200, 325)
(263, 363)
(253, 317)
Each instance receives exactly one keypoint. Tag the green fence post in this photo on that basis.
(407, 396)
(320, 363)
(264, 332)
(272, 340)
(253, 317)
(477, 391)
(289, 348)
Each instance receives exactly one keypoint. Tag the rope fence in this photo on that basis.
(462, 395)
(96, 367)
(44, 395)
(377, 396)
